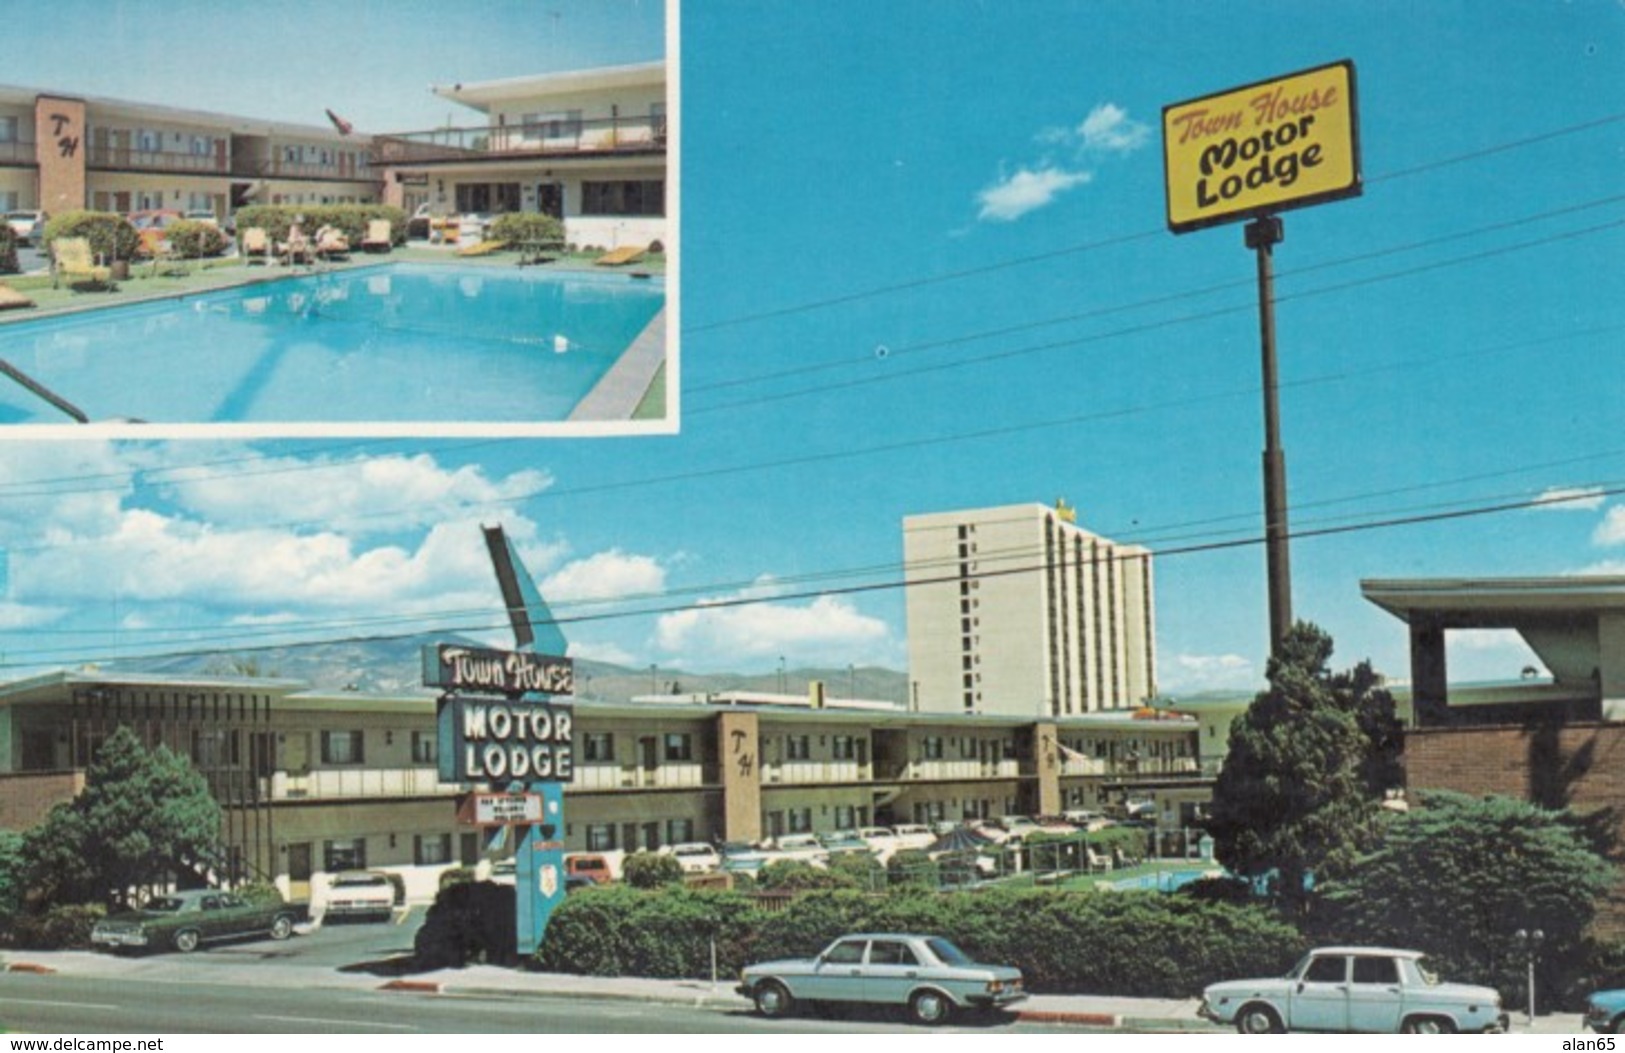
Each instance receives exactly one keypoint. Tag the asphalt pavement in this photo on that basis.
(271, 969)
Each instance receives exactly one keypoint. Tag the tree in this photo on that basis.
(12, 877)
(1458, 876)
(142, 816)
(1308, 763)
(652, 870)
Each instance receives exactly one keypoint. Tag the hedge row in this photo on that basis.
(8, 250)
(352, 220)
(1130, 943)
(111, 236)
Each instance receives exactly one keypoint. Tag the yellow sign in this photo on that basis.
(1278, 144)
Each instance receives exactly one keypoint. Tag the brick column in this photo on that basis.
(1429, 693)
(1047, 767)
(61, 143)
(740, 763)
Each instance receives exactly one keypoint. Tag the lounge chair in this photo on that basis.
(622, 256)
(1097, 862)
(73, 261)
(12, 300)
(482, 248)
(255, 244)
(296, 249)
(331, 243)
(378, 237)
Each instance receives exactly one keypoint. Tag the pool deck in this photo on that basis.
(618, 393)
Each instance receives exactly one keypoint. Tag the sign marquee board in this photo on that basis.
(500, 809)
(1284, 143)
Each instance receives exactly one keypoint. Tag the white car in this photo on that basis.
(27, 226)
(1354, 989)
(913, 835)
(805, 847)
(696, 857)
(359, 894)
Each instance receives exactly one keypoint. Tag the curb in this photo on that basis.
(412, 986)
(1061, 1016)
(698, 998)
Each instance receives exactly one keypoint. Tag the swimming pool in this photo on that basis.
(391, 344)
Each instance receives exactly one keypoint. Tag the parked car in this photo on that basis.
(359, 894)
(28, 227)
(590, 865)
(913, 835)
(1605, 1012)
(503, 872)
(186, 920)
(1355, 989)
(842, 842)
(203, 215)
(926, 974)
(696, 857)
(798, 846)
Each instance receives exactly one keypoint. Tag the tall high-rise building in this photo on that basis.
(1019, 611)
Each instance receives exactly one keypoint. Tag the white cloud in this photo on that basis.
(1025, 191)
(1569, 499)
(605, 575)
(1611, 531)
(1109, 128)
(828, 630)
(603, 651)
(367, 495)
(1200, 672)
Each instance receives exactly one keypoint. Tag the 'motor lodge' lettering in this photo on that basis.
(1266, 153)
(516, 742)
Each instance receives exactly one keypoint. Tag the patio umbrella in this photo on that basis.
(959, 839)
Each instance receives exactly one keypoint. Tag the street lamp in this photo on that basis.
(1528, 943)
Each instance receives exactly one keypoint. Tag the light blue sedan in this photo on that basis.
(926, 974)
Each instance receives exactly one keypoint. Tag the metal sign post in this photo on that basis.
(1249, 153)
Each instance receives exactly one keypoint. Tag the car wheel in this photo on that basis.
(772, 1000)
(1618, 1025)
(1429, 1025)
(282, 927)
(1258, 1020)
(930, 1007)
(186, 941)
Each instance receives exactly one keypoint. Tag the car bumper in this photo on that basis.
(1600, 1022)
(359, 910)
(995, 1001)
(118, 939)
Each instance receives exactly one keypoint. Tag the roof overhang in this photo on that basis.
(486, 94)
(1497, 603)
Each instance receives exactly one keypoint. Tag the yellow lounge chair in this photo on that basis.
(482, 248)
(378, 237)
(73, 261)
(332, 244)
(255, 245)
(622, 256)
(12, 300)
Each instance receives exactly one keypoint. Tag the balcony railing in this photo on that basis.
(100, 156)
(277, 167)
(642, 134)
(1144, 766)
(355, 782)
(634, 777)
(816, 772)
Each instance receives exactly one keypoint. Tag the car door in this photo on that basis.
(837, 976)
(1375, 994)
(1320, 999)
(893, 970)
(212, 919)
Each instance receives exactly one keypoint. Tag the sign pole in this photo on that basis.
(1262, 235)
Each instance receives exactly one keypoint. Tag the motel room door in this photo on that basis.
(299, 870)
(550, 200)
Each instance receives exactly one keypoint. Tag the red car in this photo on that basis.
(150, 224)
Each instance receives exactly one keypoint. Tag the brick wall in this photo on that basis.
(1581, 766)
(24, 799)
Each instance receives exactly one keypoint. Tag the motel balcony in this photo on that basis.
(668, 776)
(1118, 767)
(815, 772)
(278, 168)
(330, 783)
(604, 135)
(963, 770)
(127, 158)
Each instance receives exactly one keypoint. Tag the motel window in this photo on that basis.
(931, 747)
(431, 849)
(341, 747)
(846, 817)
(600, 837)
(8, 129)
(424, 748)
(800, 820)
(626, 197)
(845, 747)
(679, 831)
(797, 747)
(214, 749)
(344, 855)
(148, 141)
(598, 746)
(679, 747)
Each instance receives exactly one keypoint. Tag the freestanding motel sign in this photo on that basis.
(499, 723)
(1249, 153)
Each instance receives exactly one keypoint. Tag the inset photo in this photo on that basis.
(380, 229)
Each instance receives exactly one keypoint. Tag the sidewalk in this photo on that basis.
(486, 981)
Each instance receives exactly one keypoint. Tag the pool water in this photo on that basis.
(396, 343)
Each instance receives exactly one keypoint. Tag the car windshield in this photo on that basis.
(349, 880)
(1429, 974)
(947, 953)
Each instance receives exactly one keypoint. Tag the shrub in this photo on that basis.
(59, 928)
(260, 892)
(788, 875)
(667, 933)
(1129, 840)
(111, 236)
(657, 247)
(912, 867)
(8, 250)
(468, 922)
(351, 220)
(527, 226)
(651, 870)
(193, 238)
(455, 876)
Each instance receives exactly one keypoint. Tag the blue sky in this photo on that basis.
(925, 267)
